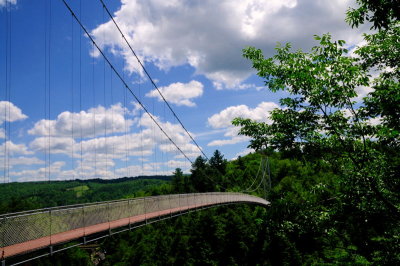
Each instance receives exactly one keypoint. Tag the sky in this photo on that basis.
(64, 113)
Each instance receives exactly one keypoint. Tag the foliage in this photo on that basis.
(34, 195)
(381, 13)
(324, 123)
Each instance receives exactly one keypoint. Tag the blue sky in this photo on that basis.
(192, 49)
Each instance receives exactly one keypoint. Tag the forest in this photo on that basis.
(333, 170)
(310, 220)
(16, 197)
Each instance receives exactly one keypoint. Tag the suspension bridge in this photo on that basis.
(50, 229)
(28, 231)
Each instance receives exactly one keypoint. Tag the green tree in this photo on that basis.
(323, 121)
(218, 163)
(201, 178)
(381, 13)
(178, 181)
(321, 118)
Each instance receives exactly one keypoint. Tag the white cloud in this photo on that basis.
(3, 2)
(20, 160)
(10, 113)
(174, 131)
(375, 121)
(159, 168)
(233, 140)
(90, 123)
(53, 145)
(224, 119)
(210, 35)
(101, 157)
(179, 93)
(243, 153)
(15, 149)
(40, 174)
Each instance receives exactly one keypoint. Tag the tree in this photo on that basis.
(201, 178)
(380, 13)
(218, 163)
(181, 182)
(321, 118)
(324, 120)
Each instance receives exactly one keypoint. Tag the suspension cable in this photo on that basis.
(151, 80)
(134, 95)
(156, 87)
(7, 101)
(80, 91)
(94, 115)
(105, 110)
(72, 98)
(262, 180)
(122, 80)
(49, 87)
(255, 179)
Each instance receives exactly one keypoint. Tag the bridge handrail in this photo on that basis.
(26, 226)
(72, 206)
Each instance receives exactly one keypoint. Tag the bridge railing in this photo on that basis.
(51, 224)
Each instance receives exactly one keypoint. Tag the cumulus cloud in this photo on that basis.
(101, 156)
(210, 35)
(54, 145)
(40, 174)
(10, 113)
(93, 122)
(223, 120)
(222, 142)
(20, 160)
(15, 149)
(177, 134)
(179, 93)
(136, 144)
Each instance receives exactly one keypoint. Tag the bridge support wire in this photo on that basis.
(26, 232)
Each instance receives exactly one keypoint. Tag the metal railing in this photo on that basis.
(27, 231)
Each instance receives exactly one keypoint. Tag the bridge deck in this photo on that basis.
(29, 231)
(81, 232)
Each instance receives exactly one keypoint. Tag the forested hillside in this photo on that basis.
(236, 234)
(35, 195)
(310, 220)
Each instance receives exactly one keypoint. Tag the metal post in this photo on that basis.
(4, 222)
(83, 223)
(51, 249)
(179, 204)
(170, 207)
(187, 202)
(158, 206)
(129, 208)
(109, 225)
(145, 211)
